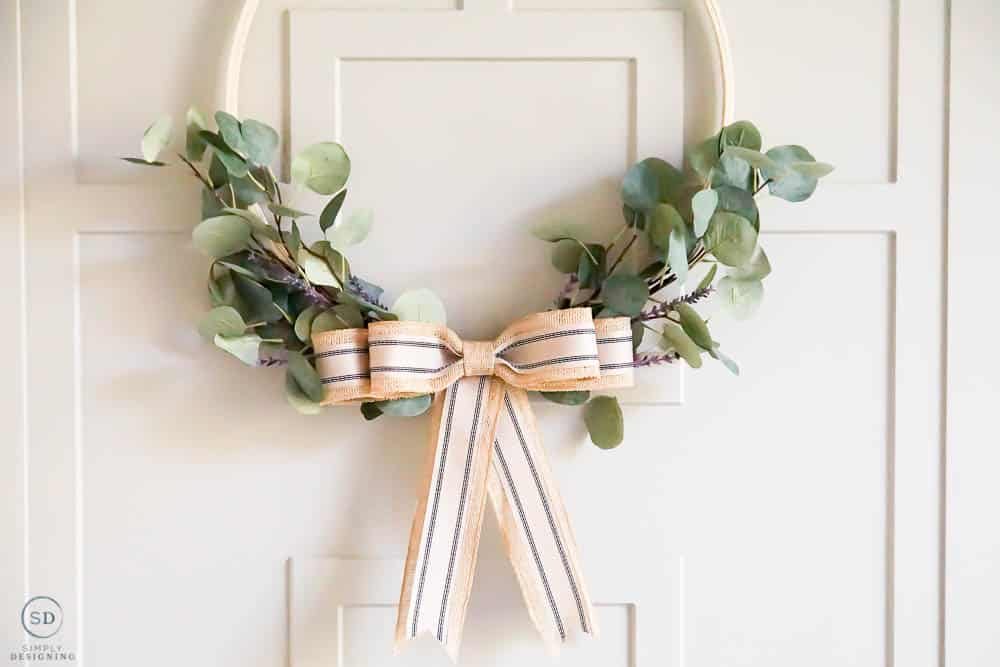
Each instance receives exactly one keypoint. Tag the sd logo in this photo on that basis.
(41, 617)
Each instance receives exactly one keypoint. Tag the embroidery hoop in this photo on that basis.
(233, 64)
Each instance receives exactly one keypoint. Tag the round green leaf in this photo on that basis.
(733, 172)
(572, 398)
(260, 140)
(758, 268)
(316, 269)
(230, 131)
(703, 206)
(257, 300)
(695, 327)
(740, 202)
(605, 422)
(156, 138)
(370, 411)
(791, 184)
(754, 158)
(304, 322)
(228, 159)
(626, 294)
(662, 222)
(566, 256)
(420, 305)
(675, 339)
(305, 376)
(742, 134)
(221, 236)
(704, 157)
(258, 225)
(341, 316)
(731, 238)
(322, 167)
(298, 399)
(650, 182)
(223, 321)
(352, 230)
(405, 407)
(740, 298)
(245, 347)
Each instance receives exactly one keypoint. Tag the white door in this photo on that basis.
(178, 512)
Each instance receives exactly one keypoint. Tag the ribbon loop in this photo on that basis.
(484, 443)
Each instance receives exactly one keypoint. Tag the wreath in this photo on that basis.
(272, 294)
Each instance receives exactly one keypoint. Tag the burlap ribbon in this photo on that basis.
(483, 440)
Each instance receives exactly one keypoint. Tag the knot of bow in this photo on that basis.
(483, 443)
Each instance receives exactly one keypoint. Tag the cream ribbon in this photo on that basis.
(483, 442)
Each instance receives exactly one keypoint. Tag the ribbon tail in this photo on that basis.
(444, 538)
(535, 527)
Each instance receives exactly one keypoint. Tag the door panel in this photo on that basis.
(180, 511)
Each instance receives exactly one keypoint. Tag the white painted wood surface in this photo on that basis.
(159, 491)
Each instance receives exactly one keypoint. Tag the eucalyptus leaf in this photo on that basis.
(704, 157)
(370, 411)
(260, 141)
(257, 299)
(742, 134)
(754, 158)
(674, 338)
(420, 305)
(140, 161)
(663, 220)
(221, 321)
(733, 172)
(304, 322)
(194, 145)
(740, 299)
(257, 224)
(650, 182)
(235, 165)
(336, 260)
(405, 407)
(566, 255)
(156, 138)
(242, 347)
(695, 327)
(605, 422)
(316, 269)
(294, 242)
(571, 398)
(329, 214)
(352, 230)
(812, 169)
(740, 202)
(305, 376)
(758, 268)
(626, 294)
(592, 265)
(221, 236)
(731, 238)
(323, 168)
(297, 398)
(231, 132)
(703, 206)
(731, 365)
(287, 211)
(792, 184)
(677, 255)
(706, 282)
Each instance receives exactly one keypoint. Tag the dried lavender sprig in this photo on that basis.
(275, 270)
(661, 310)
(646, 360)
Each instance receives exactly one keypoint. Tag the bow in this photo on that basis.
(483, 442)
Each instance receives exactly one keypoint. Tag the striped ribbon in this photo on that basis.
(483, 442)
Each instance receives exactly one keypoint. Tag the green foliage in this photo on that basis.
(405, 407)
(605, 422)
(566, 397)
(156, 138)
(420, 305)
(322, 167)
